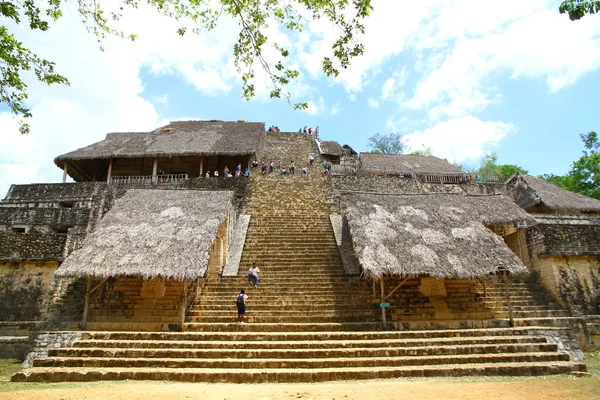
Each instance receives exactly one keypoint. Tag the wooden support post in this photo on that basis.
(396, 288)
(383, 315)
(109, 173)
(65, 172)
(183, 310)
(87, 304)
(201, 167)
(374, 288)
(155, 171)
(507, 292)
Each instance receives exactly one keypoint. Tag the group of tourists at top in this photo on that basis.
(306, 129)
(228, 174)
(281, 168)
(309, 131)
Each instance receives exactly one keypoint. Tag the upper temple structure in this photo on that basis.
(371, 265)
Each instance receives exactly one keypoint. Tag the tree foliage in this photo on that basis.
(253, 17)
(577, 9)
(489, 166)
(584, 175)
(392, 143)
(424, 151)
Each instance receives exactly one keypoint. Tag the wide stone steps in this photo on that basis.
(282, 281)
(304, 353)
(285, 300)
(279, 307)
(271, 353)
(245, 343)
(231, 292)
(283, 375)
(270, 318)
(282, 326)
(304, 363)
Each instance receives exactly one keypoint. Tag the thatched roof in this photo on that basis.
(152, 233)
(331, 148)
(439, 235)
(398, 164)
(180, 138)
(530, 191)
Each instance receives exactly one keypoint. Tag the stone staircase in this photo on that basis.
(307, 320)
(242, 356)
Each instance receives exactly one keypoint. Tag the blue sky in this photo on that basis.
(464, 78)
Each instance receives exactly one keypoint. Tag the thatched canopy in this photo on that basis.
(530, 191)
(331, 148)
(439, 235)
(152, 234)
(180, 138)
(398, 164)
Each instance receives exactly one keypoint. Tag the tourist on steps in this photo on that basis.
(240, 302)
(253, 274)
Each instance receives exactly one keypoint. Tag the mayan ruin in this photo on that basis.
(371, 265)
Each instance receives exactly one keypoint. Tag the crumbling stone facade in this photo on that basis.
(41, 224)
(565, 252)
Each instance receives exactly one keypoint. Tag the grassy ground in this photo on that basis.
(549, 387)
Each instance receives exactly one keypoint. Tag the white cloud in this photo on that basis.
(387, 31)
(335, 109)
(373, 103)
(388, 88)
(460, 139)
(316, 108)
(539, 44)
(162, 100)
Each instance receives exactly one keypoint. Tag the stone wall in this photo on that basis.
(400, 185)
(565, 239)
(573, 280)
(31, 246)
(42, 219)
(135, 300)
(565, 254)
(53, 192)
(26, 289)
(45, 341)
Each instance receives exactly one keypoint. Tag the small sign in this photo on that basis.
(384, 305)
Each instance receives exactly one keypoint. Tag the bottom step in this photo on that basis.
(292, 375)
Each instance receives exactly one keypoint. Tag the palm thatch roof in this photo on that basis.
(399, 164)
(180, 138)
(152, 234)
(331, 148)
(439, 235)
(529, 191)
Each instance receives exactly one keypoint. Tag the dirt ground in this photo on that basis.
(564, 388)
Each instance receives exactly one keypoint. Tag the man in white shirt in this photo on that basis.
(253, 274)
